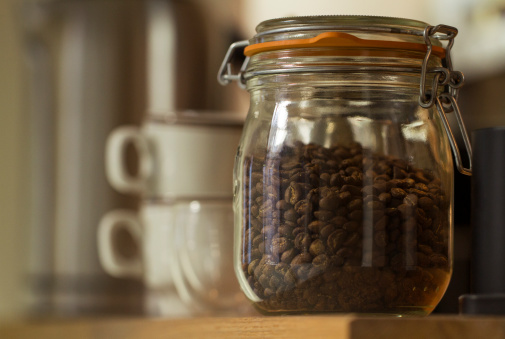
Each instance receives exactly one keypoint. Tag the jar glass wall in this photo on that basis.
(343, 199)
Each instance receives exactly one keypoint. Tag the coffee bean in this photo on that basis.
(330, 202)
(316, 226)
(381, 224)
(303, 207)
(320, 260)
(261, 247)
(406, 210)
(356, 204)
(345, 197)
(380, 187)
(420, 177)
(425, 203)
(384, 179)
(290, 278)
(297, 177)
(438, 260)
(285, 230)
(304, 220)
(255, 253)
(375, 205)
(302, 258)
(421, 187)
(336, 239)
(377, 214)
(380, 239)
(279, 245)
(264, 280)
(423, 219)
(425, 249)
(281, 268)
(324, 215)
(385, 198)
(257, 240)
(297, 230)
(418, 193)
(326, 231)
(254, 210)
(368, 190)
(302, 241)
(293, 193)
(351, 226)
(325, 178)
(406, 183)
(252, 266)
(410, 200)
(352, 240)
(317, 248)
(339, 221)
(274, 282)
(398, 193)
(336, 180)
(399, 173)
(290, 165)
(342, 211)
(370, 198)
(268, 231)
(427, 236)
(395, 203)
(344, 252)
(291, 215)
(356, 215)
(351, 169)
(392, 211)
(353, 190)
(288, 255)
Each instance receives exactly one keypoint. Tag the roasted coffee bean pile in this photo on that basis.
(342, 229)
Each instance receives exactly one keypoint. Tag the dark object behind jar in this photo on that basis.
(488, 222)
(488, 190)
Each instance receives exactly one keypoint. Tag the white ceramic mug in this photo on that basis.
(153, 232)
(188, 155)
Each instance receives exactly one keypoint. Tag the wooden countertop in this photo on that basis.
(303, 327)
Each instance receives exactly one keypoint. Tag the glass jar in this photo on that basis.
(344, 175)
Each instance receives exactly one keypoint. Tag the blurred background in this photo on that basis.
(73, 70)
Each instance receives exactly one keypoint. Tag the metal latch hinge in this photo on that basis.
(225, 74)
(447, 101)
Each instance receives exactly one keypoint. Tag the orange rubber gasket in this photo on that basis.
(342, 40)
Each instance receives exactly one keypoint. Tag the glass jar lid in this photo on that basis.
(332, 43)
(389, 28)
(292, 45)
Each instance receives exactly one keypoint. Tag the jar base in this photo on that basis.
(361, 290)
(397, 312)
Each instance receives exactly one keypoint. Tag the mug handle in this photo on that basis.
(117, 174)
(110, 259)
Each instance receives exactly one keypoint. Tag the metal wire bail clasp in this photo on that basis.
(225, 74)
(427, 98)
(447, 101)
(453, 107)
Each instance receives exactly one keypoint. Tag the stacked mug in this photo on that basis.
(184, 226)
